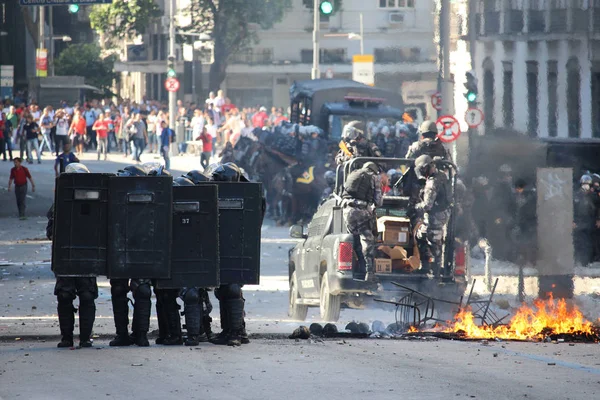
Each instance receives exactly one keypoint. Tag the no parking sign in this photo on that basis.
(448, 128)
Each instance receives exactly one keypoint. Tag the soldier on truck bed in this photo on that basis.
(355, 144)
(429, 143)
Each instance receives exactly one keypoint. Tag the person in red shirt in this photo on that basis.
(78, 130)
(228, 106)
(19, 175)
(101, 129)
(207, 148)
(280, 117)
(260, 118)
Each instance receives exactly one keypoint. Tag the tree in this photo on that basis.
(229, 23)
(84, 60)
(31, 26)
(122, 19)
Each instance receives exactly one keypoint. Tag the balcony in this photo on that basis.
(492, 22)
(558, 21)
(253, 57)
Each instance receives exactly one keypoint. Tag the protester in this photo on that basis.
(166, 138)
(19, 175)
(101, 129)
(65, 158)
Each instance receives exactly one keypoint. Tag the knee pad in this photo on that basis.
(142, 291)
(231, 292)
(65, 297)
(191, 296)
(86, 297)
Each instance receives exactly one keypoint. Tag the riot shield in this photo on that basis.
(79, 246)
(139, 233)
(195, 245)
(240, 220)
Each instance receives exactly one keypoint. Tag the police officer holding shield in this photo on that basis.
(68, 288)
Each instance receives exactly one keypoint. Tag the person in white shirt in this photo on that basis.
(61, 120)
(151, 121)
(197, 123)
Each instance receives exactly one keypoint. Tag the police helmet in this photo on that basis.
(505, 169)
(208, 171)
(371, 166)
(596, 179)
(330, 177)
(132, 170)
(196, 176)
(76, 168)
(428, 129)
(422, 164)
(391, 172)
(401, 128)
(228, 172)
(586, 180)
(385, 130)
(183, 181)
(351, 132)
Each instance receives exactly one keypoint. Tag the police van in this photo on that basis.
(325, 272)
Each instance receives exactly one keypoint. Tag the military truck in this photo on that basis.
(332, 103)
(325, 272)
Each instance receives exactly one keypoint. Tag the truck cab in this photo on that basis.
(325, 272)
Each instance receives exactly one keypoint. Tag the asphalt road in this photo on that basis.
(275, 369)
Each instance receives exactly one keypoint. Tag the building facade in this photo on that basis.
(538, 66)
(399, 33)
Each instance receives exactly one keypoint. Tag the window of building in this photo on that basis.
(552, 98)
(396, 3)
(253, 56)
(596, 99)
(507, 97)
(532, 98)
(558, 4)
(488, 94)
(389, 55)
(327, 56)
(573, 97)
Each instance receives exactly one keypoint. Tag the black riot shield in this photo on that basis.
(139, 233)
(240, 220)
(79, 245)
(195, 245)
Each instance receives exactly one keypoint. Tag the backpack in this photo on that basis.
(359, 185)
(445, 197)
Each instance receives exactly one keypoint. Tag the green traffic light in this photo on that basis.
(471, 97)
(73, 8)
(171, 73)
(326, 7)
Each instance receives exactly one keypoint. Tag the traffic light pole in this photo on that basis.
(172, 95)
(316, 74)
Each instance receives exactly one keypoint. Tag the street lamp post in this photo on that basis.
(316, 74)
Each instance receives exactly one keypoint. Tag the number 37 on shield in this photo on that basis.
(185, 221)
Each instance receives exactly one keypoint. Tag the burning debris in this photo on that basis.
(545, 320)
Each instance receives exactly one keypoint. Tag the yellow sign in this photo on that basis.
(363, 69)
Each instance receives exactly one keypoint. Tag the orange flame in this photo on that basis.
(545, 317)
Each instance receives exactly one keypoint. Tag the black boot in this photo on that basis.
(235, 310)
(173, 321)
(141, 314)
(87, 315)
(244, 335)
(206, 325)
(192, 314)
(66, 321)
(221, 338)
(120, 304)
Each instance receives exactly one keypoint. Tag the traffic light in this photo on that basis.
(471, 86)
(73, 8)
(171, 67)
(326, 7)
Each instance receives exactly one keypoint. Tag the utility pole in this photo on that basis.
(316, 74)
(172, 95)
(42, 32)
(446, 82)
(51, 44)
(362, 36)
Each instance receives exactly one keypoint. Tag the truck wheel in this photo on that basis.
(329, 304)
(296, 311)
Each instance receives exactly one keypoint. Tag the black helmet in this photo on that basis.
(208, 171)
(228, 172)
(371, 166)
(196, 176)
(330, 177)
(132, 170)
(156, 170)
(183, 181)
(422, 164)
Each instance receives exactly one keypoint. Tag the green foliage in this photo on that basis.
(85, 60)
(229, 23)
(123, 19)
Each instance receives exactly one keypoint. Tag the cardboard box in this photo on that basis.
(383, 266)
(396, 233)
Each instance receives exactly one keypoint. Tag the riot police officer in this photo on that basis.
(356, 144)
(230, 296)
(434, 205)
(67, 288)
(330, 180)
(142, 293)
(429, 144)
(362, 194)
